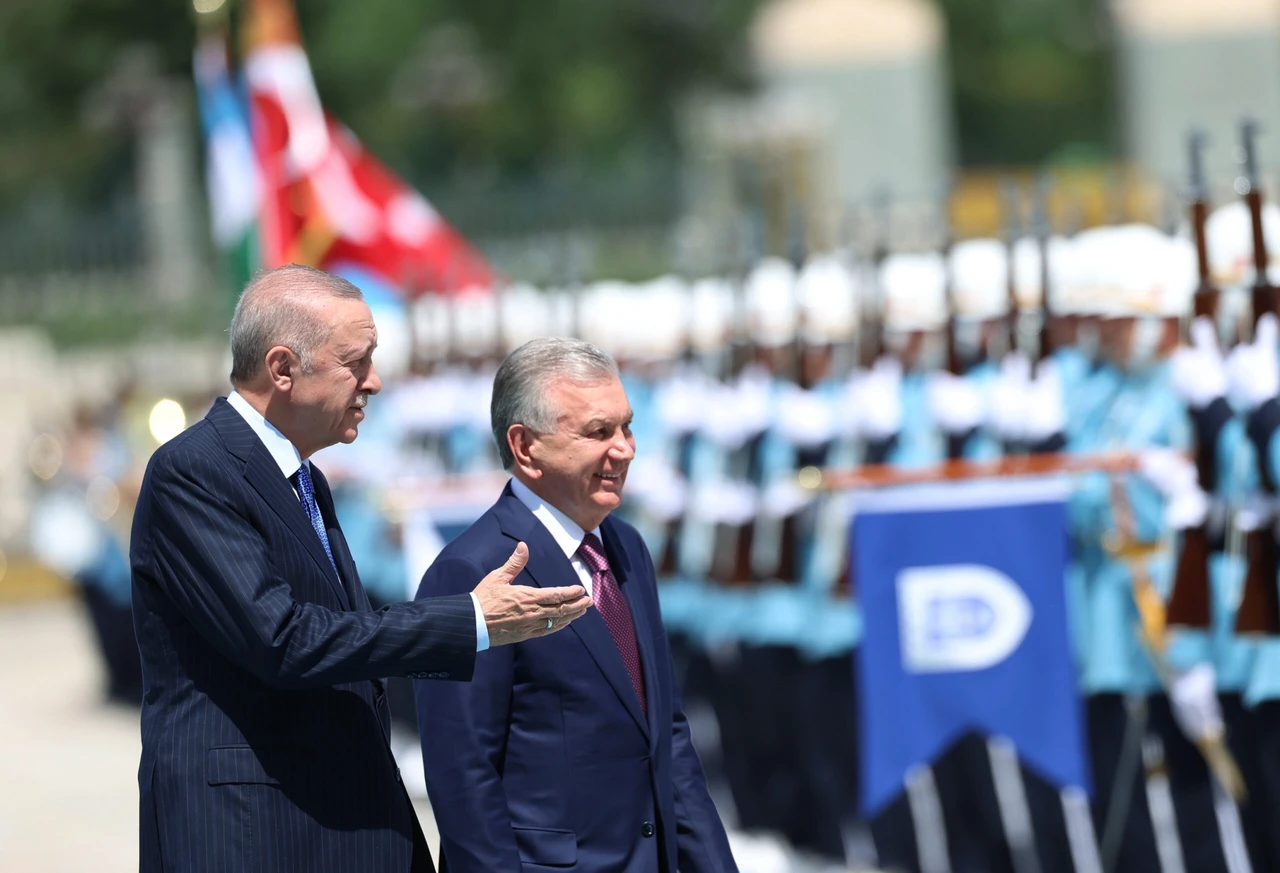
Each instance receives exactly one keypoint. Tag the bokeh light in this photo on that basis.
(103, 497)
(45, 456)
(168, 419)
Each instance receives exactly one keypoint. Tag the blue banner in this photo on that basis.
(962, 593)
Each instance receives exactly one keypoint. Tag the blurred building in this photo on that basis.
(1187, 63)
(853, 100)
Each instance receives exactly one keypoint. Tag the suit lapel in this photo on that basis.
(549, 568)
(624, 572)
(264, 476)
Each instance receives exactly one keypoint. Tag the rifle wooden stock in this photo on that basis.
(1259, 611)
(732, 563)
(1190, 600)
(1264, 296)
(1204, 305)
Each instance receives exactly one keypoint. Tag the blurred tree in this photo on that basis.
(1033, 80)
(484, 90)
(460, 89)
(53, 55)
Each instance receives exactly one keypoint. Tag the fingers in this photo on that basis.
(511, 569)
(571, 610)
(560, 617)
(557, 596)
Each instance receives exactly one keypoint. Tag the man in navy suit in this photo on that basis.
(264, 723)
(570, 752)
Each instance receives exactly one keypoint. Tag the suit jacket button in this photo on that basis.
(444, 675)
(646, 829)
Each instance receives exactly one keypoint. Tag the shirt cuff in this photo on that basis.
(482, 629)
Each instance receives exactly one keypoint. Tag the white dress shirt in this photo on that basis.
(286, 456)
(564, 530)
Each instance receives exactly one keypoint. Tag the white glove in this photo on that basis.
(753, 401)
(1172, 474)
(845, 417)
(732, 416)
(1008, 403)
(955, 402)
(681, 404)
(1198, 371)
(879, 399)
(784, 498)
(1169, 471)
(725, 502)
(1187, 509)
(1253, 368)
(1194, 698)
(803, 418)
(1046, 405)
(659, 488)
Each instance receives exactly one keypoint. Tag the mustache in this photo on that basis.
(362, 400)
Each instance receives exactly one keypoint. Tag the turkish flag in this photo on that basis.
(326, 199)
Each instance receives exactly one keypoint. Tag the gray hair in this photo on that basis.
(277, 309)
(521, 385)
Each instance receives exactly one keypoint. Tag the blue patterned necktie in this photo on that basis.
(307, 492)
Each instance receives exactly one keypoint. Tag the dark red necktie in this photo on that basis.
(613, 608)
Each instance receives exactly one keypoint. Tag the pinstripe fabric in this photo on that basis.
(264, 725)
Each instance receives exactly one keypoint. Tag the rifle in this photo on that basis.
(733, 544)
(1009, 195)
(668, 563)
(1189, 601)
(954, 363)
(870, 339)
(1040, 223)
(1259, 611)
(789, 537)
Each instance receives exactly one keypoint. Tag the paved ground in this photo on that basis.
(68, 763)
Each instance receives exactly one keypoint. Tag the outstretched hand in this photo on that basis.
(514, 613)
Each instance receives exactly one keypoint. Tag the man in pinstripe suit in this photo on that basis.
(264, 723)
